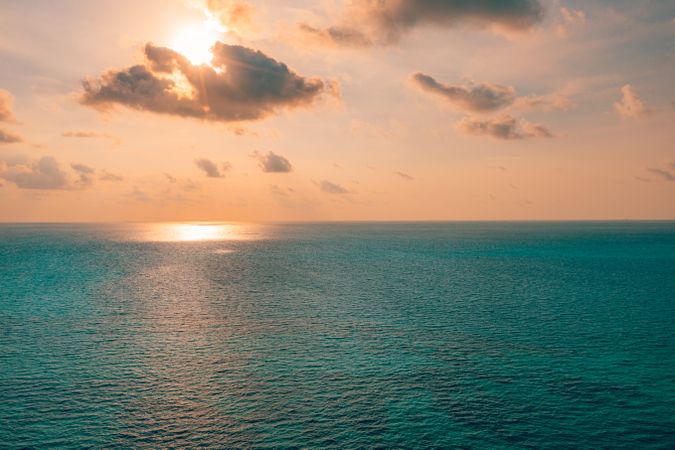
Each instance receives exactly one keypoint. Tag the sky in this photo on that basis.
(295, 110)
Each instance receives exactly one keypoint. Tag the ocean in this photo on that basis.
(345, 335)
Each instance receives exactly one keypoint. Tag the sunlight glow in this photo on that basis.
(196, 41)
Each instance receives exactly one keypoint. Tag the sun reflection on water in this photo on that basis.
(195, 232)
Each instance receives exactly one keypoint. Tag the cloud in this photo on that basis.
(332, 188)
(469, 97)
(485, 97)
(503, 127)
(570, 19)
(6, 104)
(385, 22)
(664, 174)
(44, 173)
(240, 84)
(405, 176)
(234, 15)
(107, 176)
(7, 137)
(210, 168)
(84, 173)
(630, 105)
(271, 162)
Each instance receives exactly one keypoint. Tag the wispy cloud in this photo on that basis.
(107, 176)
(405, 176)
(272, 162)
(662, 173)
(486, 97)
(332, 188)
(503, 127)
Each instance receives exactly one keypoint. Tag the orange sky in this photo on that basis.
(336, 110)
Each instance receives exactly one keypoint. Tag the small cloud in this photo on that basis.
(273, 163)
(140, 195)
(405, 176)
(241, 131)
(7, 137)
(503, 127)
(570, 19)
(630, 105)
(170, 177)
(332, 188)
(44, 173)
(211, 169)
(663, 174)
(84, 174)
(6, 106)
(107, 176)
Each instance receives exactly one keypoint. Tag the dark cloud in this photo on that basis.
(384, 22)
(483, 97)
(7, 137)
(44, 173)
(503, 127)
(107, 176)
(6, 102)
(332, 188)
(241, 84)
(664, 174)
(211, 169)
(271, 162)
(405, 176)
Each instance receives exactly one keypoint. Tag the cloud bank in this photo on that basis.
(240, 84)
(385, 22)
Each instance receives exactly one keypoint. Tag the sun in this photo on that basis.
(195, 41)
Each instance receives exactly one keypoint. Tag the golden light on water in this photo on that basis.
(195, 232)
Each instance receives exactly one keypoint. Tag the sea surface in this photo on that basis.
(351, 335)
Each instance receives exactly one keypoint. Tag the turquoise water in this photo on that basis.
(487, 335)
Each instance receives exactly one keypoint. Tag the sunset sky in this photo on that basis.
(336, 110)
